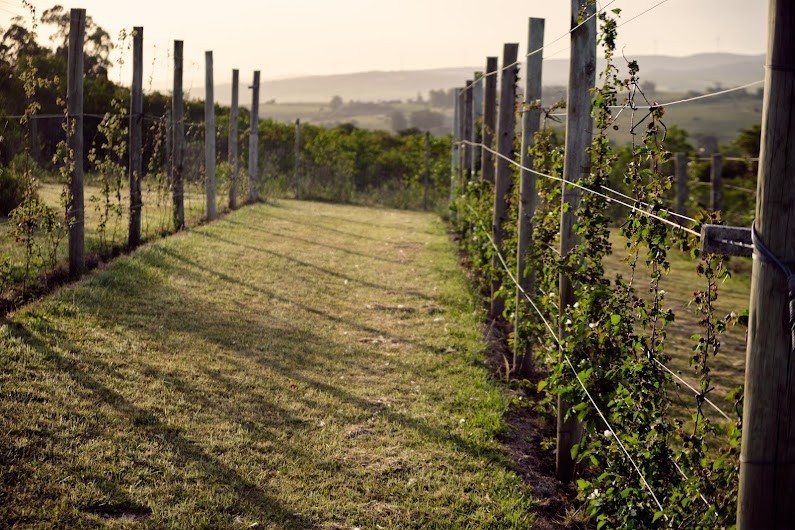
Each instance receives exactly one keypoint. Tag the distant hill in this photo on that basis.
(672, 74)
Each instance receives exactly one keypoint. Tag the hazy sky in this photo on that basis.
(284, 38)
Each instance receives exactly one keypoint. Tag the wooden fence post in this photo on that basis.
(169, 126)
(579, 124)
(253, 142)
(178, 144)
(461, 137)
(468, 148)
(74, 109)
(297, 157)
(503, 181)
(456, 158)
(767, 459)
(477, 122)
(716, 178)
(233, 156)
(209, 136)
(136, 137)
(489, 119)
(427, 169)
(681, 183)
(523, 356)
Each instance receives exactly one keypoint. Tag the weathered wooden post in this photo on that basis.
(233, 156)
(136, 137)
(489, 118)
(716, 178)
(503, 181)
(169, 128)
(681, 183)
(297, 157)
(461, 138)
(528, 194)
(253, 142)
(178, 144)
(579, 124)
(74, 120)
(427, 169)
(468, 148)
(767, 459)
(477, 122)
(209, 137)
(456, 157)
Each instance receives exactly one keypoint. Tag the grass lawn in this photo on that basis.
(295, 365)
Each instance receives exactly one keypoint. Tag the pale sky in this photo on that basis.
(285, 38)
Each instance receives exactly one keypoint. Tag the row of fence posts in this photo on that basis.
(767, 464)
(175, 140)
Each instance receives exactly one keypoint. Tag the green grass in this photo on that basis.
(296, 365)
(155, 220)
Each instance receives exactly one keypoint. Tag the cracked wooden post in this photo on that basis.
(767, 458)
(233, 155)
(503, 181)
(681, 183)
(489, 119)
(579, 124)
(716, 179)
(253, 142)
(468, 147)
(528, 194)
(178, 143)
(74, 117)
(136, 137)
(209, 137)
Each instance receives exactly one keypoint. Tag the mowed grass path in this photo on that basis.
(297, 365)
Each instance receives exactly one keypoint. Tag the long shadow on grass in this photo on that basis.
(316, 243)
(250, 498)
(317, 312)
(335, 274)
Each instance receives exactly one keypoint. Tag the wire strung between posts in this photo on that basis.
(692, 389)
(587, 189)
(703, 96)
(655, 6)
(688, 100)
(576, 375)
(538, 50)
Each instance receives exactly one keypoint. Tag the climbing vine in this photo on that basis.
(641, 464)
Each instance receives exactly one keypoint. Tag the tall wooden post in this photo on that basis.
(427, 170)
(716, 177)
(297, 158)
(461, 138)
(74, 117)
(455, 147)
(209, 137)
(528, 194)
(503, 183)
(579, 124)
(468, 148)
(233, 156)
(767, 459)
(169, 127)
(477, 122)
(253, 142)
(681, 183)
(136, 137)
(489, 118)
(178, 143)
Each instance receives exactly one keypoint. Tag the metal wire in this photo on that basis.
(587, 189)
